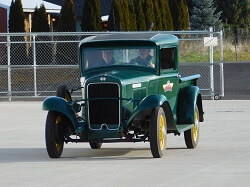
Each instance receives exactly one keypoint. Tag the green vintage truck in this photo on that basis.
(131, 92)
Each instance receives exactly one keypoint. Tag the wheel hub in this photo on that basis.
(195, 128)
(162, 132)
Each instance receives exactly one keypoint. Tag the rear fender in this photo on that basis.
(188, 98)
(59, 104)
(147, 105)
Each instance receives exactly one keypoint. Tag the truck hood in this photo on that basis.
(125, 76)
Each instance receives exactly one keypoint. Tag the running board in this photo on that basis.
(181, 128)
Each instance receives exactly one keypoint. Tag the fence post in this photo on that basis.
(9, 67)
(211, 58)
(221, 64)
(34, 64)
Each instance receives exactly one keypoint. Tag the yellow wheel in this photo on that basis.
(54, 135)
(192, 135)
(158, 132)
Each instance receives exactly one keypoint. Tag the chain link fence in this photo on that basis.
(33, 65)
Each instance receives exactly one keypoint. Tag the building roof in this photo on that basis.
(30, 5)
(78, 6)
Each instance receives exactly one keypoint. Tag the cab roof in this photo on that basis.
(156, 38)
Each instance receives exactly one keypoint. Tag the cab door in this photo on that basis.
(169, 80)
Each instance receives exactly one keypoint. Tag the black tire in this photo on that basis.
(95, 145)
(158, 132)
(192, 135)
(217, 97)
(54, 135)
(63, 92)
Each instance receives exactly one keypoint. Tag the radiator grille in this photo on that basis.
(103, 110)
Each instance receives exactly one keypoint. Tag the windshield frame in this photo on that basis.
(83, 51)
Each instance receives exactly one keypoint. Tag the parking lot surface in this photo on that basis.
(222, 157)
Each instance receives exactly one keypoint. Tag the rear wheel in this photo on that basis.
(192, 135)
(158, 132)
(63, 92)
(95, 145)
(54, 135)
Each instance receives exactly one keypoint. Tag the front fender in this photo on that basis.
(148, 104)
(60, 105)
(188, 98)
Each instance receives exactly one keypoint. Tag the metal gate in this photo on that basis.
(33, 65)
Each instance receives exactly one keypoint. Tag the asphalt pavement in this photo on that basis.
(222, 157)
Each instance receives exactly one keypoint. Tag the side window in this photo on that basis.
(168, 58)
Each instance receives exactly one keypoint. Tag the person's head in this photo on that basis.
(143, 53)
(107, 56)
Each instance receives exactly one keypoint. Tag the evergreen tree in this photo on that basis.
(168, 18)
(203, 15)
(120, 14)
(245, 14)
(12, 17)
(185, 21)
(179, 12)
(91, 16)
(190, 6)
(98, 14)
(67, 52)
(125, 10)
(67, 17)
(44, 25)
(167, 21)
(140, 17)
(18, 51)
(234, 12)
(115, 21)
(35, 20)
(111, 20)
(157, 15)
(16, 17)
(87, 17)
(148, 12)
(163, 14)
(40, 20)
(132, 16)
(173, 5)
(40, 24)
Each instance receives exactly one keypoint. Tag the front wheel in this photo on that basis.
(192, 135)
(54, 135)
(63, 92)
(158, 132)
(95, 145)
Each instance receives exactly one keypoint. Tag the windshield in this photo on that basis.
(107, 57)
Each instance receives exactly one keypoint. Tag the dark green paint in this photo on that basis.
(186, 104)
(148, 102)
(59, 104)
(142, 89)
